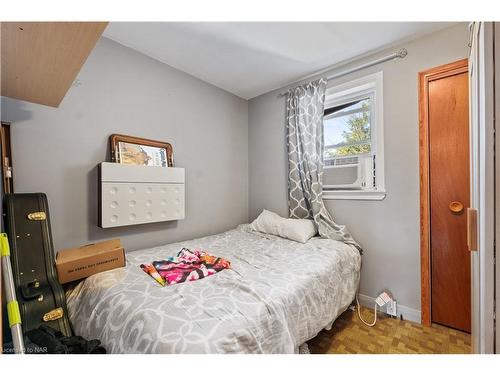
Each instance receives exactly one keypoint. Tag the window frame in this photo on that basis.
(370, 85)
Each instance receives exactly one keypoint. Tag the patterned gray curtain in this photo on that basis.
(304, 119)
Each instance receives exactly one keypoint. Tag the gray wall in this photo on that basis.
(56, 150)
(388, 230)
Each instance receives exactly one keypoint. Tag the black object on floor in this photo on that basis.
(46, 340)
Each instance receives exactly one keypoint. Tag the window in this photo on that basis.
(353, 138)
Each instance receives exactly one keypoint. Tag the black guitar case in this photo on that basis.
(41, 298)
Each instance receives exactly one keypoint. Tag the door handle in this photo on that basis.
(472, 229)
(456, 207)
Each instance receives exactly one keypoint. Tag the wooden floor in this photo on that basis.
(389, 336)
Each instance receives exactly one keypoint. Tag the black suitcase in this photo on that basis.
(41, 298)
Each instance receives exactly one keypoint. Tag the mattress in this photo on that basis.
(277, 295)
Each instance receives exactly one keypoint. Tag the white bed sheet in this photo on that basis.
(277, 295)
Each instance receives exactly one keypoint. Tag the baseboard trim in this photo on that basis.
(408, 313)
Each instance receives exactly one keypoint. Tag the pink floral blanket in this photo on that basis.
(186, 266)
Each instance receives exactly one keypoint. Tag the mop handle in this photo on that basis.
(10, 294)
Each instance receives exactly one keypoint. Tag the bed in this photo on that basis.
(277, 295)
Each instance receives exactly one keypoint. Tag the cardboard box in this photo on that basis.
(81, 262)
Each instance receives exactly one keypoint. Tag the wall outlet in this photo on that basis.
(392, 308)
(383, 299)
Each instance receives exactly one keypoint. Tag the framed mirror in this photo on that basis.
(126, 149)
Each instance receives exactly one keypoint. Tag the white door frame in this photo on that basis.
(482, 139)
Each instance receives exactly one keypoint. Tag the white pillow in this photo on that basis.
(300, 230)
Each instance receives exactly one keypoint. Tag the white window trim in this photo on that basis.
(364, 195)
(341, 93)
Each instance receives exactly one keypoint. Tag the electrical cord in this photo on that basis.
(359, 313)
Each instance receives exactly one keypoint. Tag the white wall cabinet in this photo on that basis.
(135, 194)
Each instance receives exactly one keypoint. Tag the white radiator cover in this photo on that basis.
(136, 194)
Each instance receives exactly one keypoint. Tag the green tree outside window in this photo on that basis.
(358, 132)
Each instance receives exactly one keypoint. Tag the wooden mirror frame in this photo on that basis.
(114, 139)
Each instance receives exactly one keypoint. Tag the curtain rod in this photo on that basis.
(401, 54)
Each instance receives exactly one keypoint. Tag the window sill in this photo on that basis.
(354, 195)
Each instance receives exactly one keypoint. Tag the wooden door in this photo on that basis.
(6, 187)
(6, 156)
(447, 121)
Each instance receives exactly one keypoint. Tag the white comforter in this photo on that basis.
(277, 295)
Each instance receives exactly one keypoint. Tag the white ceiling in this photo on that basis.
(249, 59)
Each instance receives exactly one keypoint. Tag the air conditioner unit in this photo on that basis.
(348, 173)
